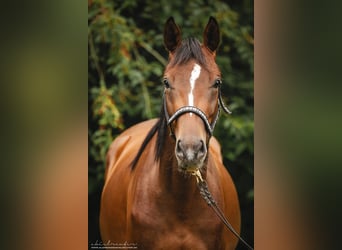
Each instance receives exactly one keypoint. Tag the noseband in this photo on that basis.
(191, 109)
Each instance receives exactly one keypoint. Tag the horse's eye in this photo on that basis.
(217, 83)
(166, 83)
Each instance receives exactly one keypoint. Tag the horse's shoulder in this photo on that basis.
(227, 184)
(124, 145)
(215, 149)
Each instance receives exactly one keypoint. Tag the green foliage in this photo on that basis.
(126, 63)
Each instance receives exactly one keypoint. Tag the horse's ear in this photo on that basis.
(172, 35)
(211, 36)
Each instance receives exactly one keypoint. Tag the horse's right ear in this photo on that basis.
(172, 35)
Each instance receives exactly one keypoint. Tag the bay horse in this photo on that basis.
(149, 199)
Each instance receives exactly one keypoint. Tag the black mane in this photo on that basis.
(160, 128)
(190, 49)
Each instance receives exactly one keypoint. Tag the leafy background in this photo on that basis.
(126, 59)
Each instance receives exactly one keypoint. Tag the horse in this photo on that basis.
(149, 199)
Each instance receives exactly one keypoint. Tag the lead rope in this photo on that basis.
(204, 191)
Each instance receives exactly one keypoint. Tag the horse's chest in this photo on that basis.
(165, 227)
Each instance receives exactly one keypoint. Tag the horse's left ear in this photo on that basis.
(211, 36)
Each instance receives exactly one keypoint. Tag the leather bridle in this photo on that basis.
(192, 109)
(202, 184)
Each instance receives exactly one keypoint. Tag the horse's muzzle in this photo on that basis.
(190, 154)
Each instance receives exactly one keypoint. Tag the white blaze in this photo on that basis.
(193, 77)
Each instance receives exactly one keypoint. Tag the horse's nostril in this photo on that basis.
(179, 149)
(199, 147)
(179, 146)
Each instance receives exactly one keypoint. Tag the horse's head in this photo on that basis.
(191, 96)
